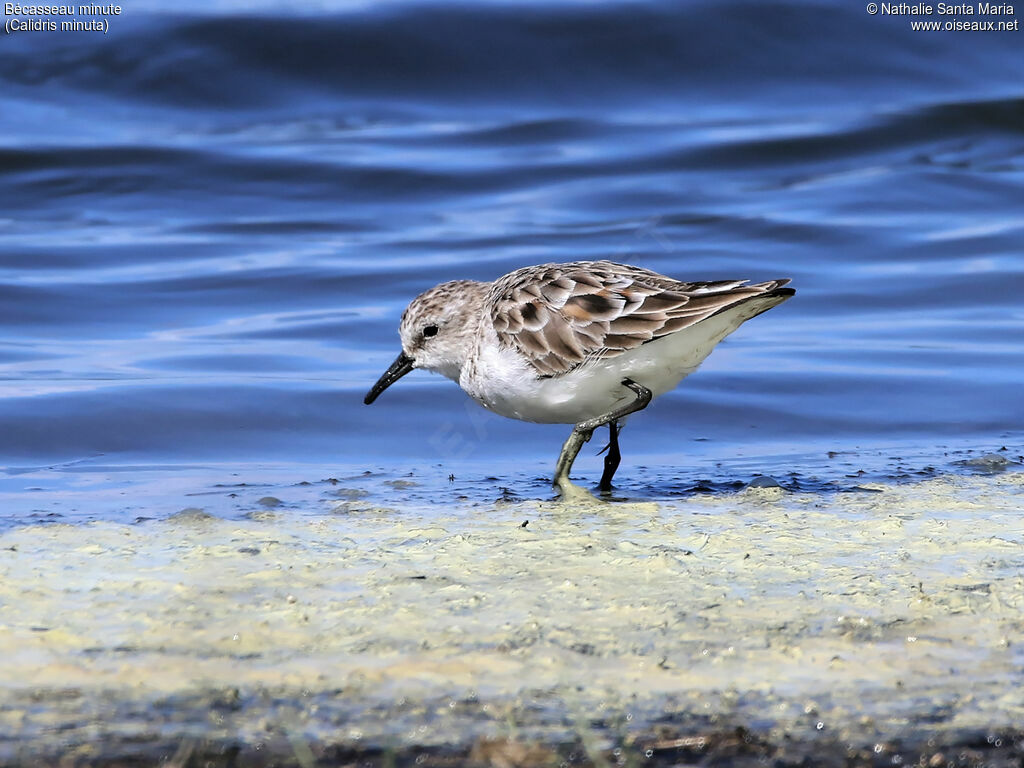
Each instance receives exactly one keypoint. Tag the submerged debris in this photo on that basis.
(191, 515)
(990, 462)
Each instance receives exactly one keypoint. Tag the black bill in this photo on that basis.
(401, 366)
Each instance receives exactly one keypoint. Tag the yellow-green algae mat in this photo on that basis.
(874, 622)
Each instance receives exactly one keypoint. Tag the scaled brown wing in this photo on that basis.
(560, 316)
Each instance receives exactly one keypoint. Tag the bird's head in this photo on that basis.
(436, 331)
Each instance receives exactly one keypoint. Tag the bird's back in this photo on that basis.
(563, 316)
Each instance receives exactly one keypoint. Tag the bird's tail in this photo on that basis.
(773, 293)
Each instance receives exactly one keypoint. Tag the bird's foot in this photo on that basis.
(571, 493)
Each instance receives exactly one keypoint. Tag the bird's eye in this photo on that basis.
(430, 330)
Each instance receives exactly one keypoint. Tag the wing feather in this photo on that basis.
(561, 316)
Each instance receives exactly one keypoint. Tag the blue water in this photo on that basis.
(211, 219)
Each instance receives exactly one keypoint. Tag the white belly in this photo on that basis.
(502, 381)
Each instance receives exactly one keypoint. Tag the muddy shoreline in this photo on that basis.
(764, 627)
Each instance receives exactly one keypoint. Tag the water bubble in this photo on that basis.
(819, 725)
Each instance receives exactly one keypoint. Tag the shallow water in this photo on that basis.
(211, 221)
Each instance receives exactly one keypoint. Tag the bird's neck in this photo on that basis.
(470, 329)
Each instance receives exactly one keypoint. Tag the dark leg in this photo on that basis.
(611, 461)
(583, 431)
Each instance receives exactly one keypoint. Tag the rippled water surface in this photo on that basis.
(210, 221)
